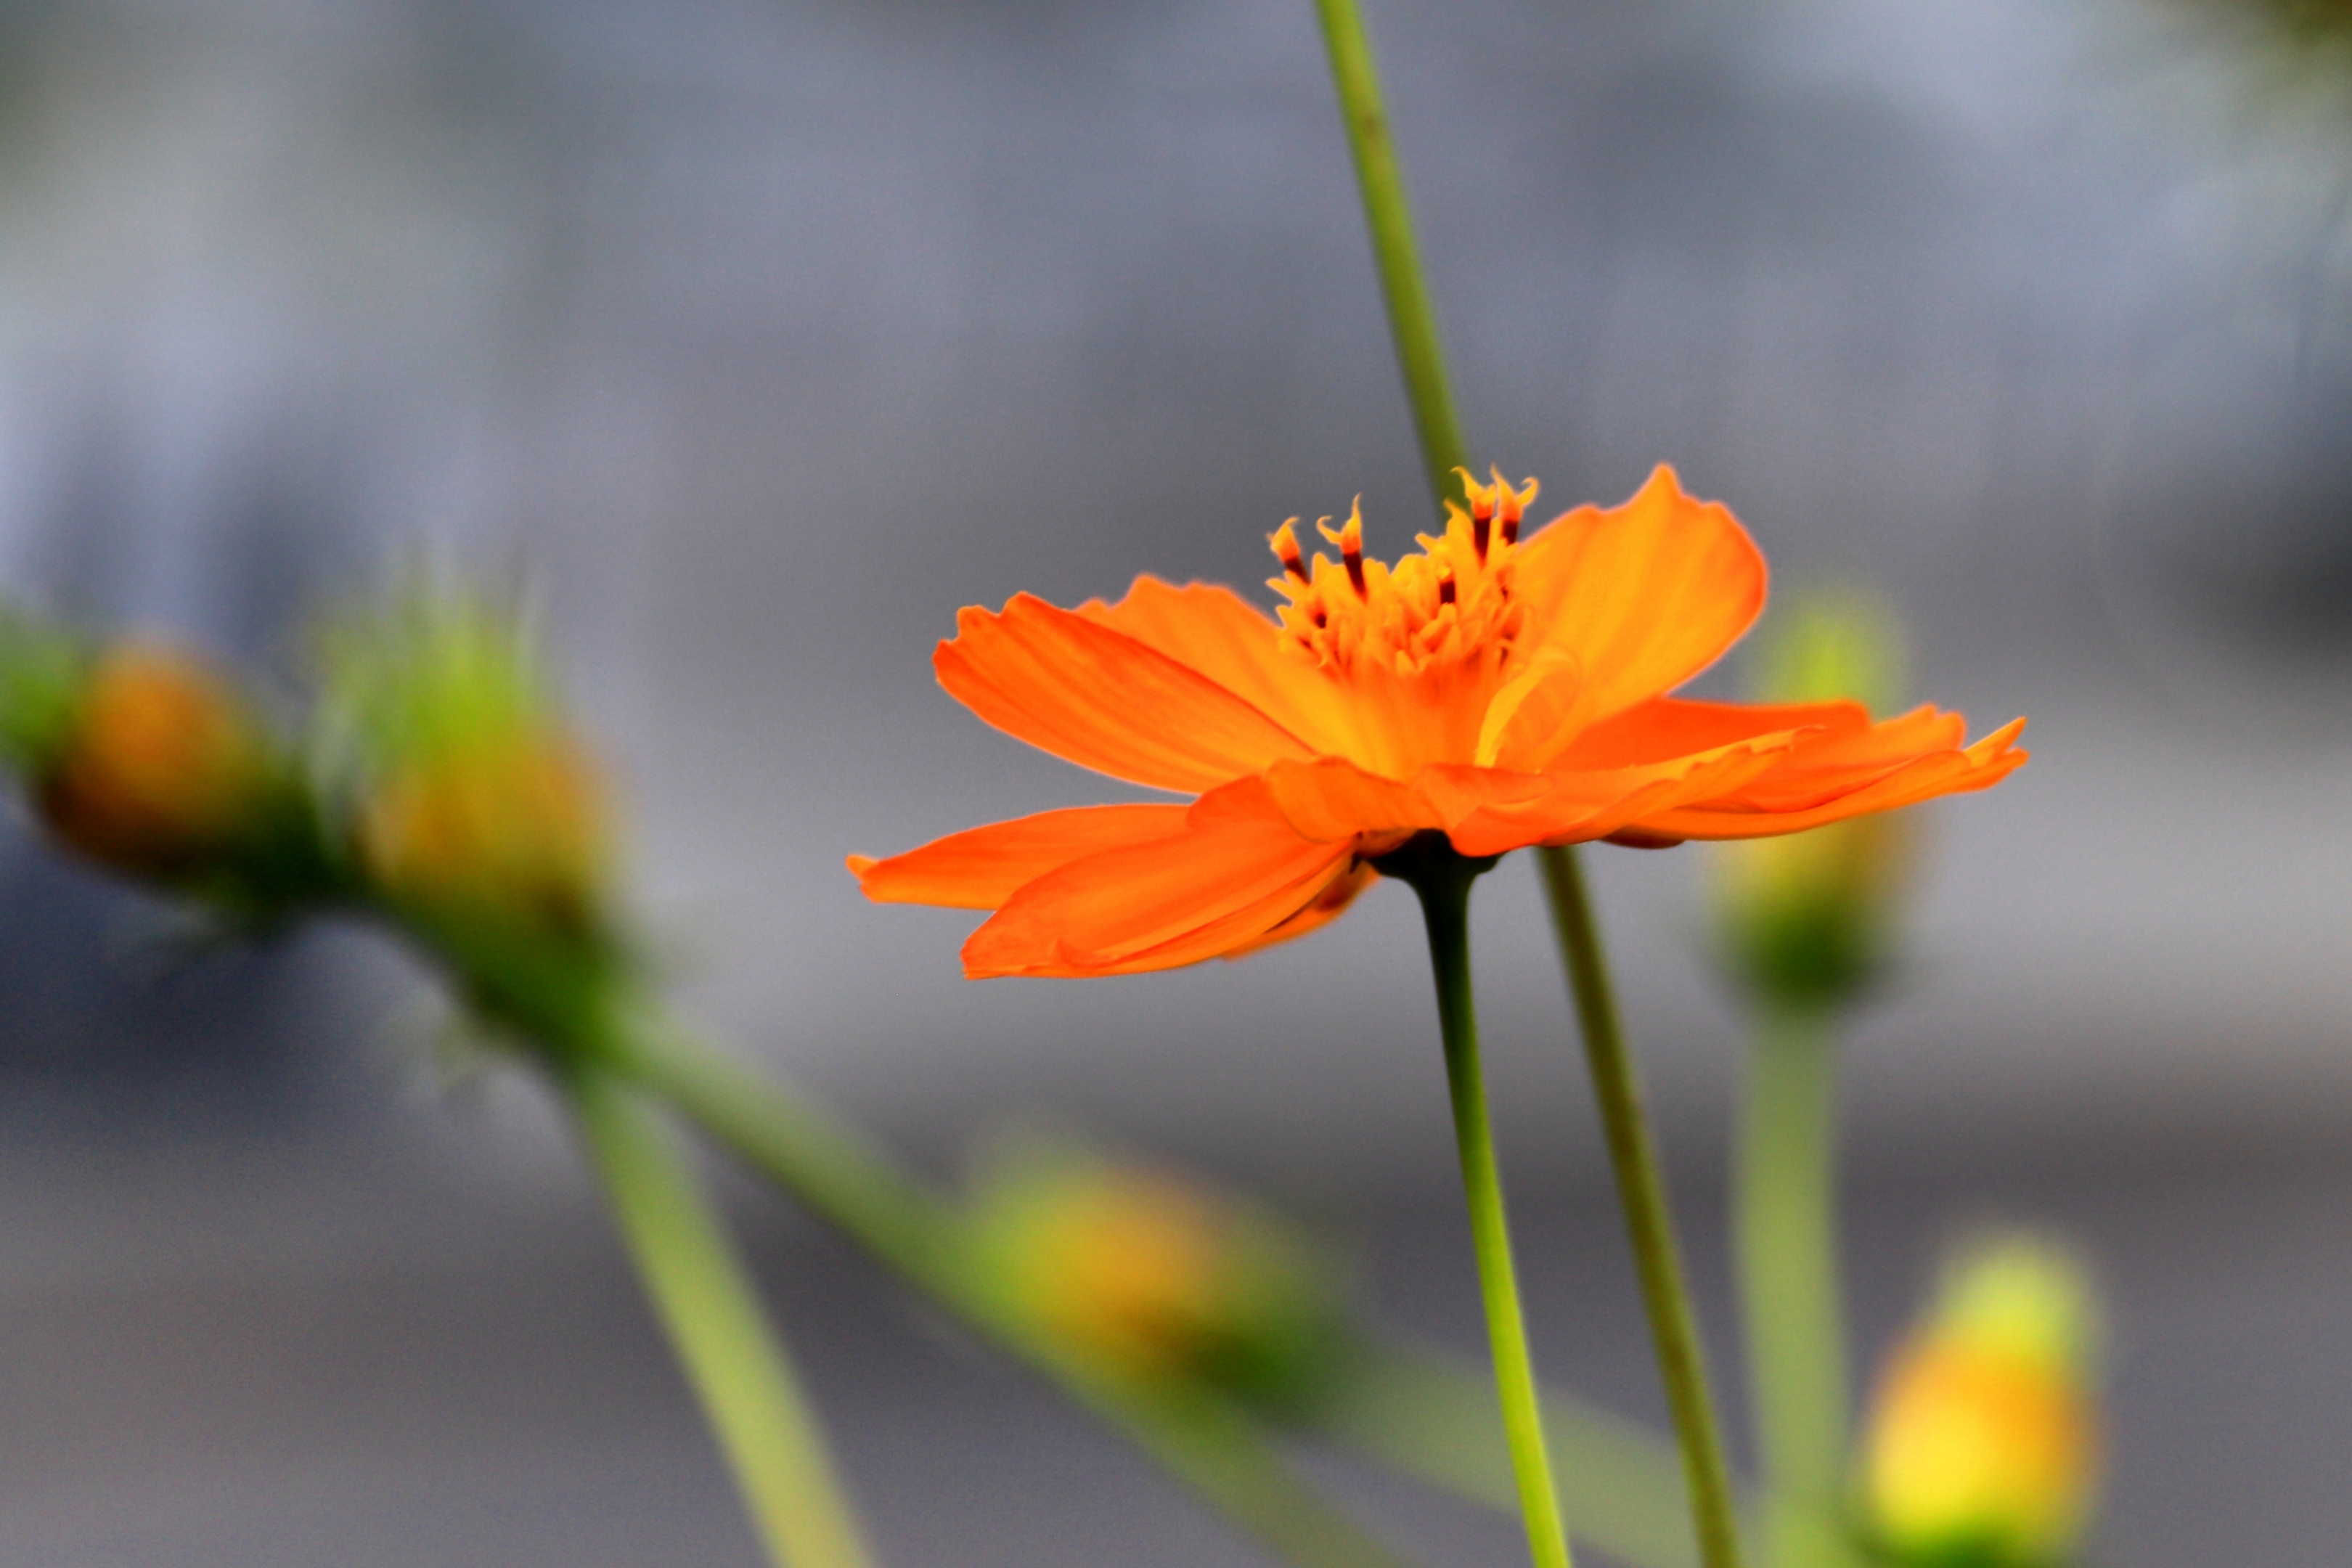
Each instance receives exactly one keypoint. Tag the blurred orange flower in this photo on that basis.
(1506, 692)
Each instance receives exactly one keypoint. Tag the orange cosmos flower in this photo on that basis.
(1504, 693)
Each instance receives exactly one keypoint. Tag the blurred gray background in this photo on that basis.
(757, 338)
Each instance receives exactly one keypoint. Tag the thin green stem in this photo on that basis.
(1649, 1222)
(1443, 879)
(1413, 322)
(739, 1370)
(1784, 1208)
(1421, 355)
(1203, 1440)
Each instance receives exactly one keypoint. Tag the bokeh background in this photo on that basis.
(757, 338)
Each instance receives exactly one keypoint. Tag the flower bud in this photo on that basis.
(1157, 1276)
(159, 769)
(473, 805)
(513, 828)
(1804, 921)
(1981, 1451)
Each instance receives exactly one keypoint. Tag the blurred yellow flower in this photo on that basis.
(1982, 1449)
(1125, 1269)
(1155, 1274)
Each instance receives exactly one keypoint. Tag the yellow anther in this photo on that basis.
(1285, 543)
(1512, 504)
(1482, 498)
(1349, 537)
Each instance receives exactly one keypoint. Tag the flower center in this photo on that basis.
(1421, 645)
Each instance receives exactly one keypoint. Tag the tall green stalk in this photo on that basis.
(1784, 1199)
(1420, 354)
(746, 1386)
(1443, 879)
(1413, 324)
(1649, 1220)
(1201, 1439)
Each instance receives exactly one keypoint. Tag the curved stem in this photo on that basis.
(1784, 1209)
(1641, 1188)
(830, 1166)
(739, 1372)
(1413, 322)
(1443, 880)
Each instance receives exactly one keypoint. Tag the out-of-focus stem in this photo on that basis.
(1430, 1418)
(1784, 1208)
(1413, 322)
(1649, 1222)
(739, 1370)
(1203, 1440)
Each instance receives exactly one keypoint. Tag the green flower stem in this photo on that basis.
(1207, 1443)
(1428, 1417)
(1420, 354)
(746, 1385)
(1784, 1210)
(1443, 879)
(1641, 1188)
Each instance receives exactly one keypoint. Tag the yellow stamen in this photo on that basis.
(1351, 541)
(1512, 504)
(1482, 510)
(1284, 543)
(1424, 643)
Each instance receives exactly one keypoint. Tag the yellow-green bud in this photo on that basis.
(473, 805)
(1157, 1276)
(1982, 1447)
(512, 829)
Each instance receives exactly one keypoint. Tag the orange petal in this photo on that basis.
(1825, 766)
(1748, 813)
(1579, 807)
(1458, 789)
(1235, 873)
(1667, 727)
(1328, 906)
(983, 867)
(1645, 596)
(1100, 698)
(1332, 798)
(1215, 632)
(1534, 717)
